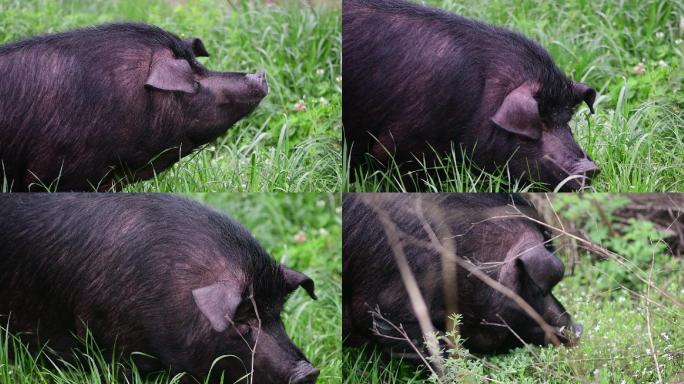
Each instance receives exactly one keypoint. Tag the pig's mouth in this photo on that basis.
(569, 335)
(304, 373)
(576, 177)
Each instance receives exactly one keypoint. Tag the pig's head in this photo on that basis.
(537, 120)
(206, 102)
(245, 326)
(530, 270)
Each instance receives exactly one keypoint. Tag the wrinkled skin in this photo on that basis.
(510, 251)
(419, 82)
(94, 108)
(155, 274)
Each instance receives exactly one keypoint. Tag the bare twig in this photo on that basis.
(256, 339)
(404, 337)
(648, 324)
(505, 324)
(252, 348)
(420, 309)
(449, 265)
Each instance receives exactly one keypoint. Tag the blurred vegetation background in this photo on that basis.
(292, 140)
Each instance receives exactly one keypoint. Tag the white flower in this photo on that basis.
(300, 106)
(639, 69)
(659, 35)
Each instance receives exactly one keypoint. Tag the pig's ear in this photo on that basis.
(197, 46)
(168, 74)
(519, 113)
(542, 267)
(295, 279)
(218, 303)
(584, 93)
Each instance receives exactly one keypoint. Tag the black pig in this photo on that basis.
(82, 109)
(510, 250)
(418, 81)
(156, 274)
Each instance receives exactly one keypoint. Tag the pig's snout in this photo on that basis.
(586, 167)
(570, 335)
(258, 81)
(304, 373)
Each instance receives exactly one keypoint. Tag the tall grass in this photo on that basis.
(282, 146)
(636, 135)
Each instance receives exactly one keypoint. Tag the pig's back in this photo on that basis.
(404, 73)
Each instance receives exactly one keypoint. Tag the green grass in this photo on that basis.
(620, 315)
(276, 148)
(637, 133)
(614, 346)
(301, 230)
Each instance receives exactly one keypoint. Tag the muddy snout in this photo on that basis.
(258, 83)
(304, 373)
(570, 335)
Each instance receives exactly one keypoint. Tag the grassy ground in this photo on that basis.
(637, 133)
(301, 230)
(632, 333)
(281, 146)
